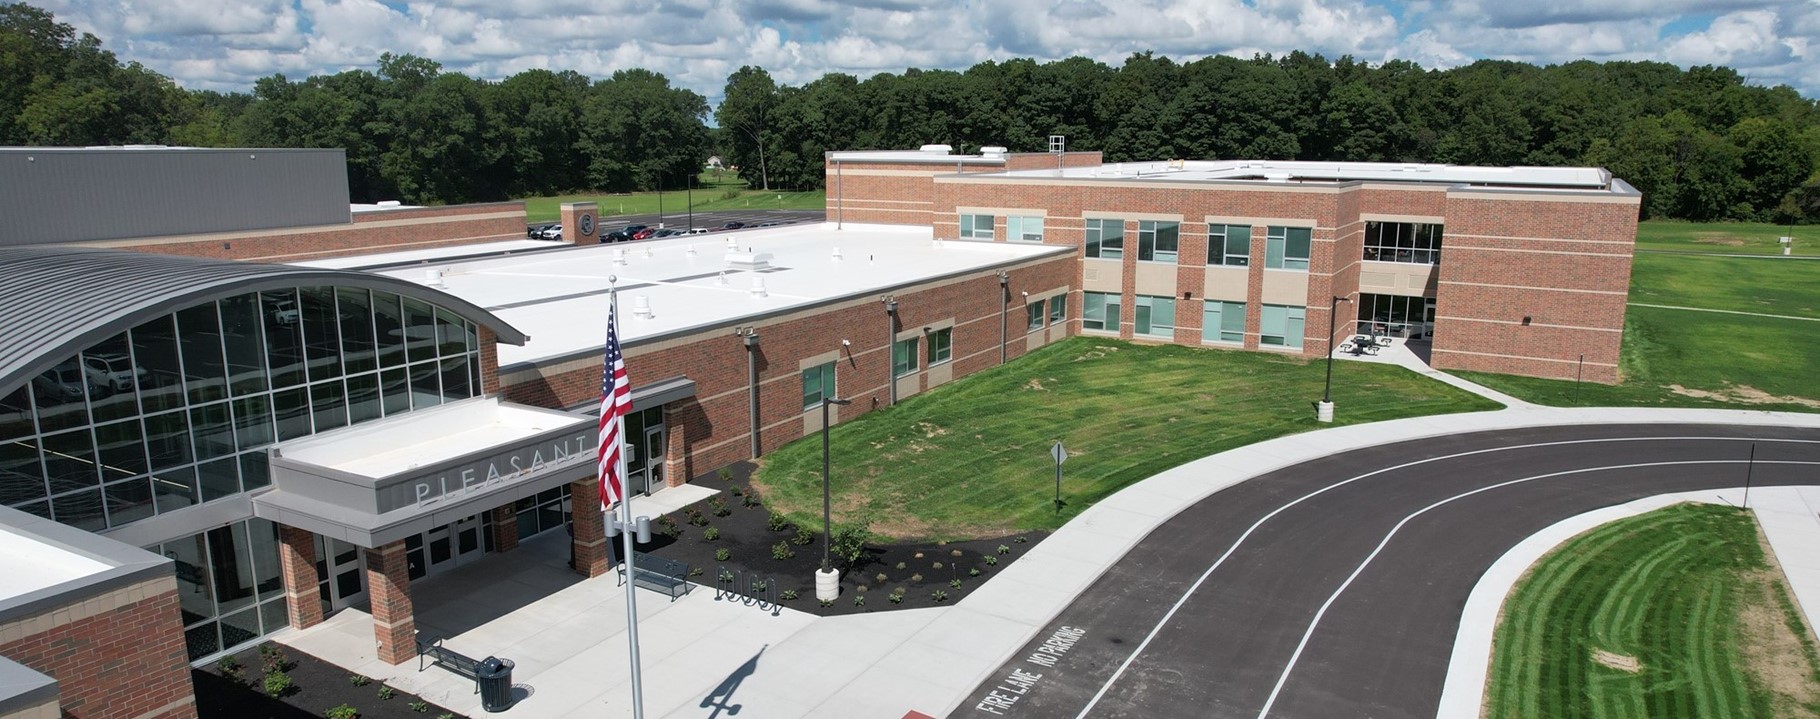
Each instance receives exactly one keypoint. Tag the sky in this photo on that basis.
(227, 44)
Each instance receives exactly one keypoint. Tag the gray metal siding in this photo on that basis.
(54, 195)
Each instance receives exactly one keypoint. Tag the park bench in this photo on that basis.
(658, 574)
(449, 659)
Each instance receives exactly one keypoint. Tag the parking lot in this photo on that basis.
(712, 221)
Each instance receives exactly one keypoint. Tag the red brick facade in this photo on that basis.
(389, 589)
(118, 654)
(368, 233)
(592, 555)
(297, 560)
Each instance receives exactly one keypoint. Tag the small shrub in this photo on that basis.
(777, 523)
(974, 572)
(272, 659)
(896, 597)
(849, 543)
(803, 536)
(277, 683)
(695, 517)
(668, 527)
(859, 600)
(955, 583)
(955, 553)
(725, 473)
(231, 669)
(1020, 540)
(880, 578)
(722, 554)
(386, 693)
(736, 491)
(827, 602)
(991, 561)
(718, 505)
(782, 551)
(939, 595)
(749, 500)
(359, 680)
(1002, 549)
(789, 595)
(902, 566)
(759, 586)
(695, 571)
(938, 565)
(710, 534)
(420, 706)
(446, 715)
(916, 577)
(342, 712)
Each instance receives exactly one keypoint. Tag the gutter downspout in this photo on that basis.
(840, 197)
(1004, 300)
(891, 342)
(751, 338)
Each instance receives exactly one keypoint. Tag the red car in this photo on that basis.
(644, 234)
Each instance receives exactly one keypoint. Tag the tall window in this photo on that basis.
(1157, 240)
(1222, 321)
(1281, 325)
(1155, 316)
(1100, 311)
(818, 384)
(1412, 242)
(1058, 309)
(941, 345)
(1035, 314)
(1286, 248)
(1229, 245)
(1105, 239)
(1024, 229)
(903, 357)
(976, 227)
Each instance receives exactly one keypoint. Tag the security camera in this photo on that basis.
(846, 343)
(1026, 294)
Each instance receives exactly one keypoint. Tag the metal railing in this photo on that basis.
(750, 589)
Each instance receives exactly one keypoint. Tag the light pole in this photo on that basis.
(827, 588)
(1324, 411)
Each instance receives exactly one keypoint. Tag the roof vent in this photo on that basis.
(433, 277)
(749, 261)
(1276, 176)
(641, 307)
(993, 151)
(619, 256)
(937, 149)
(758, 286)
(837, 253)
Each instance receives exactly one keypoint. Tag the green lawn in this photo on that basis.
(1684, 591)
(1728, 237)
(1744, 284)
(971, 459)
(727, 193)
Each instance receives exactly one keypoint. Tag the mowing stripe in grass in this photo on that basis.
(1724, 312)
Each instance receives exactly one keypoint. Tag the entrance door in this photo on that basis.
(452, 545)
(654, 448)
(346, 574)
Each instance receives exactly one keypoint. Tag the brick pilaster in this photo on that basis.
(505, 528)
(297, 565)
(592, 555)
(676, 448)
(489, 361)
(389, 589)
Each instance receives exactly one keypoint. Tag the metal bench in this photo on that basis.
(658, 574)
(448, 659)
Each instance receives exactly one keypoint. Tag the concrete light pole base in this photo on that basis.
(827, 585)
(1323, 412)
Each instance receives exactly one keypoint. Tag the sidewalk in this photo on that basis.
(703, 657)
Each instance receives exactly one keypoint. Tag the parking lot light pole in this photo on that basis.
(827, 588)
(1324, 411)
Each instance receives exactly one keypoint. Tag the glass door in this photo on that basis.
(344, 572)
(452, 545)
(654, 459)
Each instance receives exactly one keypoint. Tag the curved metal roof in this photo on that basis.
(55, 301)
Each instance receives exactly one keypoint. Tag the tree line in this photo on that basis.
(1699, 143)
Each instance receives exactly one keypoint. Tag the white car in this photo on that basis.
(112, 371)
(699, 231)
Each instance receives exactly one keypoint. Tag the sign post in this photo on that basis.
(1061, 455)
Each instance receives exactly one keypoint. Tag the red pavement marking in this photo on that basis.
(917, 715)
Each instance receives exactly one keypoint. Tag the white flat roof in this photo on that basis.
(1585, 178)
(30, 565)
(559, 298)
(358, 262)
(424, 437)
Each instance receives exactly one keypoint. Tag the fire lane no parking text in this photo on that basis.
(1019, 681)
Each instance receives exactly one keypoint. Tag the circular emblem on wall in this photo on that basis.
(586, 224)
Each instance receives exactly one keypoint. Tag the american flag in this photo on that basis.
(615, 402)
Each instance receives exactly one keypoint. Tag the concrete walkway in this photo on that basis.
(703, 656)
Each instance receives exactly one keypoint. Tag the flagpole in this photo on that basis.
(626, 532)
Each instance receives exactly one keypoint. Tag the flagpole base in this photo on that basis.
(827, 585)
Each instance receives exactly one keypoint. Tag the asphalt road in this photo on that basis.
(710, 220)
(1334, 588)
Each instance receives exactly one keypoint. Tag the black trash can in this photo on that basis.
(495, 684)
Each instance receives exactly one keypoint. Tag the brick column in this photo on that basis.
(676, 448)
(505, 528)
(579, 216)
(389, 589)
(297, 565)
(592, 555)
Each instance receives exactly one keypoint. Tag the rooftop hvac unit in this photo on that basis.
(937, 149)
(749, 261)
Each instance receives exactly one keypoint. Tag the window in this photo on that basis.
(1410, 242)
(1222, 321)
(941, 345)
(1229, 245)
(1024, 229)
(1286, 248)
(1155, 316)
(1106, 239)
(1157, 241)
(818, 384)
(1058, 309)
(1100, 311)
(1035, 314)
(903, 357)
(976, 227)
(1281, 325)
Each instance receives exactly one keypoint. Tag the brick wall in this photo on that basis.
(712, 429)
(389, 593)
(297, 562)
(368, 233)
(118, 654)
(889, 193)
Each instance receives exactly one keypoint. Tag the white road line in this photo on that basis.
(1315, 623)
(1139, 649)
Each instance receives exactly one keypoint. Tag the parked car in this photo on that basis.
(554, 233)
(733, 225)
(537, 232)
(615, 236)
(112, 371)
(699, 231)
(644, 234)
(667, 232)
(58, 385)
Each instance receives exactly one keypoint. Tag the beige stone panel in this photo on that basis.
(941, 373)
(1226, 283)
(1286, 288)
(1156, 278)
(1102, 275)
(908, 385)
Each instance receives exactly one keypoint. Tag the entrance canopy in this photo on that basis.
(381, 481)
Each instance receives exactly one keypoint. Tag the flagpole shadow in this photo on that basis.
(720, 697)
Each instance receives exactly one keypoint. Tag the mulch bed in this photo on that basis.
(316, 687)
(924, 573)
